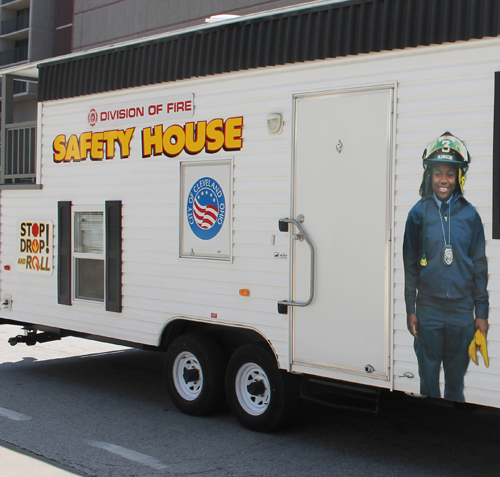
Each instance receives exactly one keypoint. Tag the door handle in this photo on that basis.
(300, 236)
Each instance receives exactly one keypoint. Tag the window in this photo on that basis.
(89, 259)
(89, 256)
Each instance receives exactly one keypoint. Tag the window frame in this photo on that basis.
(87, 255)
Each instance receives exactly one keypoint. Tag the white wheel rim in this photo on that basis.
(252, 404)
(187, 390)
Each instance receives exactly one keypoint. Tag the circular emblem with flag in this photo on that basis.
(206, 208)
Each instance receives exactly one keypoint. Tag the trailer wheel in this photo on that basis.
(195, 367)
(260, 396)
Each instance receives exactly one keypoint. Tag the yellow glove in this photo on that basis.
(472, 351)
(479, 342)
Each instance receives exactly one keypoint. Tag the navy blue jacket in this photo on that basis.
(466, 276)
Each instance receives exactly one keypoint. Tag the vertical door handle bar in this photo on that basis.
(311, 270)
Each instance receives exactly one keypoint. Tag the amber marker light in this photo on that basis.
(244, 292)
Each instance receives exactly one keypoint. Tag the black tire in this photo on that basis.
(195, 366)
(261, 397)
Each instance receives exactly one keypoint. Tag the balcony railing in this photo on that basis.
(14, 56)
(15, 24)
(20, 154)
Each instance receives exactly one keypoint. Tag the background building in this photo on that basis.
(101, 22)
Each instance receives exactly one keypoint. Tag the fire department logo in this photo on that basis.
(206, 208)
(93, 117)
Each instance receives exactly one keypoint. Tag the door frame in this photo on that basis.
(329, 372)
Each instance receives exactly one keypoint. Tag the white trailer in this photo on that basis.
(248, 219)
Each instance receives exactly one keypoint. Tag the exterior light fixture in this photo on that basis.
(274, 123)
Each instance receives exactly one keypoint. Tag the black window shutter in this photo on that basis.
(114, 255)
(496, 159)
(64, 254)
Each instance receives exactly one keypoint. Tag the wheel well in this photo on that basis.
(228, 337)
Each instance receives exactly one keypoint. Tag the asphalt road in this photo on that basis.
(102, 410)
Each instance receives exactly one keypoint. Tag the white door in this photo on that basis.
(342, 190)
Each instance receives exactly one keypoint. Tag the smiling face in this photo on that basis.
(444, 178)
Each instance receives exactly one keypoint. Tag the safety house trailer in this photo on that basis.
(236, 194)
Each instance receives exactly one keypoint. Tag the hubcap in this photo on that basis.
(188, 376)
(253, 389)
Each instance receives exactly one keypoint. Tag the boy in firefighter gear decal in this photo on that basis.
(446, 272)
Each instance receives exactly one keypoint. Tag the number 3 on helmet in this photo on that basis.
(447, 148)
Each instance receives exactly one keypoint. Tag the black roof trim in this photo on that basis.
(328, 31)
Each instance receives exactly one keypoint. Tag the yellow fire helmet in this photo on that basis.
(446, 148)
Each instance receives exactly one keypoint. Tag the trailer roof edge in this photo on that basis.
(306, 32)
